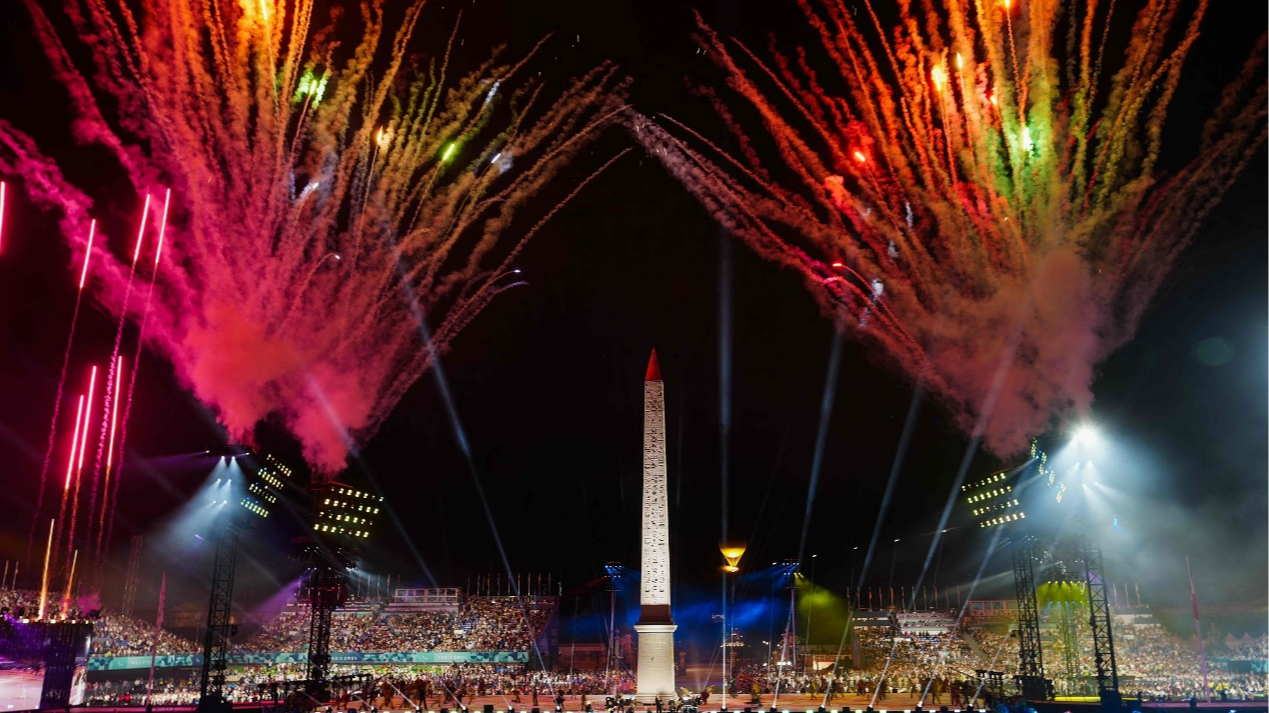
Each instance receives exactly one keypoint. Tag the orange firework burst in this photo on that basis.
(999, 222)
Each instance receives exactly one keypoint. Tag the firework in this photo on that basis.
(319, 205)
(75, 468)
(957, 192)
(107, 494)
(110, 460)
(61, 385)
(48, 550)
(70, 462)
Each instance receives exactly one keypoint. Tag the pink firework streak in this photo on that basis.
(363, 199)
(70, 472)
(110, 459)
(61, 385)
(109, 497)
(111, 378)
(72, 525)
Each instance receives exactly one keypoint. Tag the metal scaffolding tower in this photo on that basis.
(219, 621)
(1030, 659)
(1100, 624)
(327, 590)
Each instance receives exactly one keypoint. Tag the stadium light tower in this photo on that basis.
(1027, 499)
(613, 570)
(342, 518)
(250, 489)
(1089, 554)
(996, 501)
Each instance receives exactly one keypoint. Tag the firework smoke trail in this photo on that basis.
(109, 497)
(111, 405)
(70, 472)
(44, 578)
(107, 409)
(110, 457)
(950, 179)
(277, 155)
(70, 462)
(79, 465)
(61, 385)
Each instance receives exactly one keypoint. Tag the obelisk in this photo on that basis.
(655, 669)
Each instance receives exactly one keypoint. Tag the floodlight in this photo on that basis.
(1086, 435)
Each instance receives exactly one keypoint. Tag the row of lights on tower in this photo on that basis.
(1003, 519)
(992, 494)
(994, 478)
(998, 506)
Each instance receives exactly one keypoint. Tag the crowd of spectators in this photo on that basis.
(1163, 666)
(480, 624)
(1152, 662)
(938, 685)
(995, 650)
(288, 632)
(167, 691)
(383, 686)
(113, 634)
(24, 602)
(1256, 650)
(117, 635)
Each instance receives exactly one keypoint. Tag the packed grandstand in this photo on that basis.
(911, 651)
(480, 624)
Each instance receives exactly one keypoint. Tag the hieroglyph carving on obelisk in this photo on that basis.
(656, 627)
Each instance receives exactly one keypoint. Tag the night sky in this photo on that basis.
(547, 382)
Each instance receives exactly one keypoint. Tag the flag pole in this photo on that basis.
(1207, 692)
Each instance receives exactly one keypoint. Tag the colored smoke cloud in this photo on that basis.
(319, 210)
(958, 194)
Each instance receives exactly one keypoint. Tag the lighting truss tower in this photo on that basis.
(245, 485)
(998, 501)
(1030, 657)
(134, 573)
(219, 620)
(1099, 622)
(612, 569)
(326, 591)
(342, 517)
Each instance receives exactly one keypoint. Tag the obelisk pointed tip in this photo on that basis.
(654, 369)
